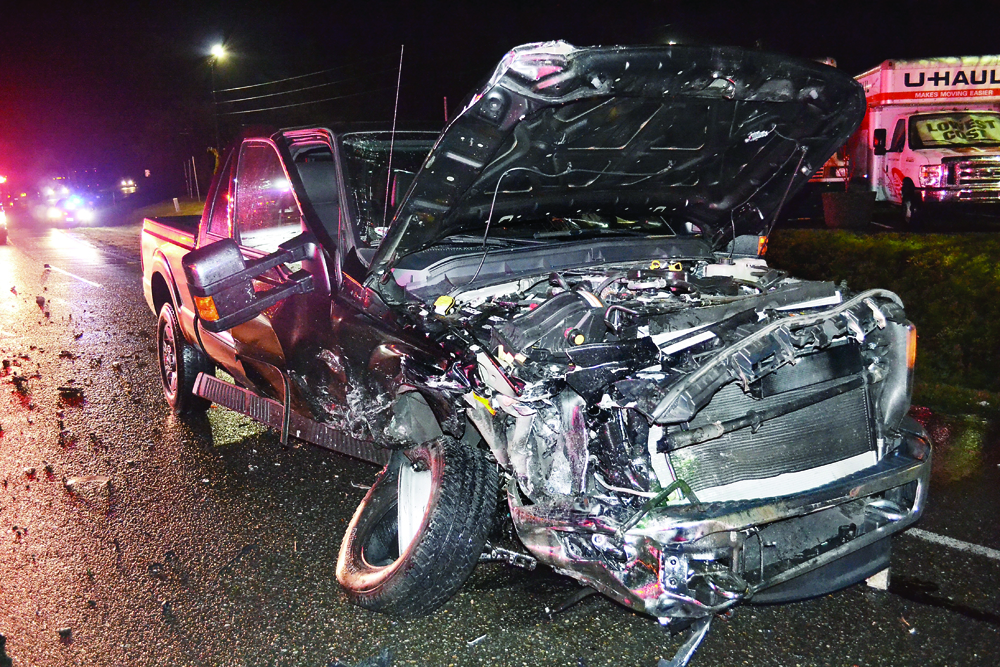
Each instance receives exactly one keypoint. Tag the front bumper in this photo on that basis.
(691, 561)
(981, 194)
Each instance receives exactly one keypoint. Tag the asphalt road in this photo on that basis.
(130, 537)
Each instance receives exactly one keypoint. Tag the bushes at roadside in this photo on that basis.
(950, 285)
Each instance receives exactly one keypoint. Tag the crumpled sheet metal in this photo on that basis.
(547, 446)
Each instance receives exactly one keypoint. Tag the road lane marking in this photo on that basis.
(954, 544)
(73, 275)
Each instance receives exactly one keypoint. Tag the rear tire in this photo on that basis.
(452, 518)
(179, 362)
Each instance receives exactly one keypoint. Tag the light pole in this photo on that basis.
(218, 52)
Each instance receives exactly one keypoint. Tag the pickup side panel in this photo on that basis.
(164, 242)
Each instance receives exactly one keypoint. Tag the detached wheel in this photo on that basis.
(418, 534)
(179, 364)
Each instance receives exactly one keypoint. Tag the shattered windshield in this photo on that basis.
(955, 130)
(366, 171)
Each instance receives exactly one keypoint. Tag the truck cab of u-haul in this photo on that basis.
(931, 133)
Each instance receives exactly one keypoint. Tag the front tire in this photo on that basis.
(448, 491)
(911, 212)
(180, 363)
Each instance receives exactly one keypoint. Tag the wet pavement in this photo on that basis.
(131, 537)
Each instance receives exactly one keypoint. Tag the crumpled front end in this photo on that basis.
(683, 440)
(682, 561)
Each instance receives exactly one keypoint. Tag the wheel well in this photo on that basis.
(161, 293)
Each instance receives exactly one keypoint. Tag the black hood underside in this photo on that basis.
(717, 137)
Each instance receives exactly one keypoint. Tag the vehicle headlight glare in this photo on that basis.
(933, 175)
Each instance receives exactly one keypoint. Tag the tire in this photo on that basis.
(450, 528)
(911, 206)
(179, 362)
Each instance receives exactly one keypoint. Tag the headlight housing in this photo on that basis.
(933, 175)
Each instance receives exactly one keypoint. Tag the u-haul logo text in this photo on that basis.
(960, 78)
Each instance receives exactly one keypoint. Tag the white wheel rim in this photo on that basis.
(414, 495)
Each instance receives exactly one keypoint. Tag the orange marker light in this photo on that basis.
(911, 346)
(206, 308)
(761, 246)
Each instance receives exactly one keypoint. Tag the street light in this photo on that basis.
(218, 52)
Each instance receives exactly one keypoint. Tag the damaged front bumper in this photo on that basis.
(687, 561)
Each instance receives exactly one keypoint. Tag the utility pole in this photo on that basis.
(194, 177)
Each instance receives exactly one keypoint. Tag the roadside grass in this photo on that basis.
(950, 285)
(160, 209)
(121, 229)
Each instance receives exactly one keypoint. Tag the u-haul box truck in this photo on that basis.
(931, 133)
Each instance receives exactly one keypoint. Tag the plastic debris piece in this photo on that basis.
(879, 581)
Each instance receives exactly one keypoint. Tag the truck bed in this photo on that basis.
(180, 230)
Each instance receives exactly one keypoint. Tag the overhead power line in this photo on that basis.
(301, 76)
(294, 90)
(299, 104)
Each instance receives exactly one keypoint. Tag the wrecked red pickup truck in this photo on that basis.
(561, 295)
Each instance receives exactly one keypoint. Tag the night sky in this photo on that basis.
(128, 87)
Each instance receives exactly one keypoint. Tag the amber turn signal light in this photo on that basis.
(206, 308)
(911, 346)
(761, 246)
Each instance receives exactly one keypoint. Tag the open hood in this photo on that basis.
(718, 137)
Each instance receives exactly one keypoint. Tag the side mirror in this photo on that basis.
(878, 142)
(221, 281)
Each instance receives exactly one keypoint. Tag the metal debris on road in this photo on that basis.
(683, 656)
(475, 641)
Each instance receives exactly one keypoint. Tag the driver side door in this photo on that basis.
(266, 214)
